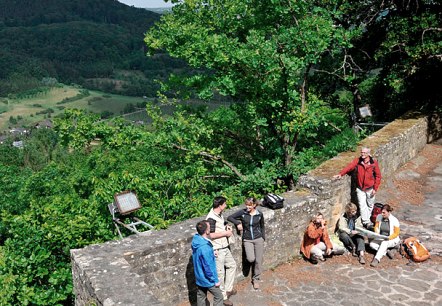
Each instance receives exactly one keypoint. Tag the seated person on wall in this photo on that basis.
(387, 225)
(316, 242)
(348, 234)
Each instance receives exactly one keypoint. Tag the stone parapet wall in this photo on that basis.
(155, 268)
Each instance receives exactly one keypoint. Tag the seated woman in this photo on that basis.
(351, 238)
(251, 222)
(316, 242)
(387, 225)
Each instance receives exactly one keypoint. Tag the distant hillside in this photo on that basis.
(95, 43)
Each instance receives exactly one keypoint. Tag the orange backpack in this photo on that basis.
(414, 250)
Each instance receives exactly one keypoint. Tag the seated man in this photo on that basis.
(348, 234)
(316, 242)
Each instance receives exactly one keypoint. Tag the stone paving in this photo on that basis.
(343, 281)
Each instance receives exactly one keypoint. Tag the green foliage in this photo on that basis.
(81, 41)
(259, 52)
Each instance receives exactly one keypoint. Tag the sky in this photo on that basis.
(146, 3)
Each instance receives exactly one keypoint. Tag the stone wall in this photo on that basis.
(155, 268)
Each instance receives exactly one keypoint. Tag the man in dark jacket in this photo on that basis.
(368, 180)
(204, 266)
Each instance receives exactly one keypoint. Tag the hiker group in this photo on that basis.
(214, 265)
(368, 223)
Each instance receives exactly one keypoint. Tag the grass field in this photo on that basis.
(31, 110)
(27, 112)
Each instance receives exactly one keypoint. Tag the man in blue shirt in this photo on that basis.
(204, 266)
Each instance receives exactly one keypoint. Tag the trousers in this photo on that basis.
(381, 246)
(226, 268)
(201, 296)
(366, 202)
(255, 252)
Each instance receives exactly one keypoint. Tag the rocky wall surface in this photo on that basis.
(155, 268)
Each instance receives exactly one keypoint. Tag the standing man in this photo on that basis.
(367, 181)
(204, 266)
(225, 264)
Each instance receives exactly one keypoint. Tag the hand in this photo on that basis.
(218, 284)
(239, 227)
(373, 192)
(229, 232)
(215, 253)
(337, 177)
(328, 252)
(354, 232)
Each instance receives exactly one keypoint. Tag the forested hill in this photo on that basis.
(32, 13)
(89, 42)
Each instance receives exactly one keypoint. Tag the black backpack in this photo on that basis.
(273, 201)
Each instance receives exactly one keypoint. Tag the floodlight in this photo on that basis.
(127, 202)
(365, 111)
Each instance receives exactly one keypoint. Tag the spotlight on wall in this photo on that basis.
(124, 204)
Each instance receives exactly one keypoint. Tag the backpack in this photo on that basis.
(377, 209)
(414, 250)
(273, 201)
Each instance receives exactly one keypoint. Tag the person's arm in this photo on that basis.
(208, 265)
(343, 225)
(378, 176)
(261, 224)
(313, 232)
(327, 242)
(358, 222)
(377, 225)
(236, 217)
(395, 233)
(216, 235)
(350, 167)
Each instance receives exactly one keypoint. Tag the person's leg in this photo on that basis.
(371, 199)
(337, 249)
(385, 245)
(347, 241)
(217, 296)
(374, 244)
(230, 265)
(250, 250)
(363, 209)
(318, 250)
(201, 296)
(220, 269)
(259, 253)
(359, 242)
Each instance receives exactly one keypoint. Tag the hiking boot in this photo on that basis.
(362, 260)
(374, 263)
(255, 284)
(230, 293)
(353, 253)
(227, 302)
(321, 258)
(314, 259)
(391, 253)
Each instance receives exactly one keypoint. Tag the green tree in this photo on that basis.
(261, 53)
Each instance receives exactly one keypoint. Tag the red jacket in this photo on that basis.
(368, 175)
